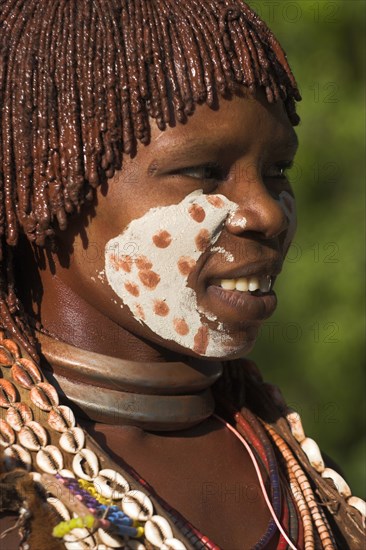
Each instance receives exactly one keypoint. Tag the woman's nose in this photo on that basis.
(258, 211)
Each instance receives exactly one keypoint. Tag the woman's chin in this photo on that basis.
(230, 355)
(227, 341)
(228, 352)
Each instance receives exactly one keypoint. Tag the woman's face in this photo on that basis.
(191, 234)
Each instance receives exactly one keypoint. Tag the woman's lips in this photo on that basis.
(237, 306)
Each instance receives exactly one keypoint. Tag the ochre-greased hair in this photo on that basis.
(80, 81)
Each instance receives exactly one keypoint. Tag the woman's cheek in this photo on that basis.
(152, 282)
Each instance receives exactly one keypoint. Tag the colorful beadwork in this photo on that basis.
(19, 425)
(98, 490)
(113, 518)
(64, 527)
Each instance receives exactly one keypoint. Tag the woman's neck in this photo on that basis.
(111, 374)
(159, 396)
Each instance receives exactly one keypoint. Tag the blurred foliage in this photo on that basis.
(313, 347)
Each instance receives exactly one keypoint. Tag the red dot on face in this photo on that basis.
(140, 312)
(161, 308)
(132, 289)
(162, 239)
(150, 279)
(186, 265)
(216, 201)
(197, 213)
(202, 240)
(143, 263)
(114, 261)
(124, 263)
(201, 340)
(181, 326)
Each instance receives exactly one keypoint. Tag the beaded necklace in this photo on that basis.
(26, 444)
(141, 518)
(314, 487)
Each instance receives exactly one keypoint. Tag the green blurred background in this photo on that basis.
(313, 347)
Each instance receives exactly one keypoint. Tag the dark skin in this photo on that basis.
(252, 142)
(240, 151)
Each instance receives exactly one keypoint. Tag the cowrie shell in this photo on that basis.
(12, 347)
(172, 544)
(50, 460)
(111, 541)
(6, 358)
(61, 418)
(8, 393)
(36, 476)
(33, 436)
(76, 544)
(359, 504)
(67, 473)
(90, 469)
(79, 539)
(44, 396)
(59, 507)
(15, 455)
(137, 505)
(26, 373)
(73, 440)
(294, 420)
(18, 415)
(7, 435)
(313, 454)
(111, 484)
(157, 530)
(341, 485)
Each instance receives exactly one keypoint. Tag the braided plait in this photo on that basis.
(80, 82)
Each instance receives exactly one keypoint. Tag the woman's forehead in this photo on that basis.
(235, 124)
(99, 77)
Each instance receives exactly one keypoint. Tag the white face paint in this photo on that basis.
(153, 283)
(227, 255)
(238, 220)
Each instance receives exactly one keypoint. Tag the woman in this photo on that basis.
(140, 247)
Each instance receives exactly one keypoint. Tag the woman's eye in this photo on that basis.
(278, 170)
(205, 172)
(276, 178)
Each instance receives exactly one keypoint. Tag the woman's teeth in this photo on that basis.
(246, 284)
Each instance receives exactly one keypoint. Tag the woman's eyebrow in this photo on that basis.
(194, 149)
(203, 148)
(201, 144)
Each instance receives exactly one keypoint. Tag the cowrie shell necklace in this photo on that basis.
(25, 444)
